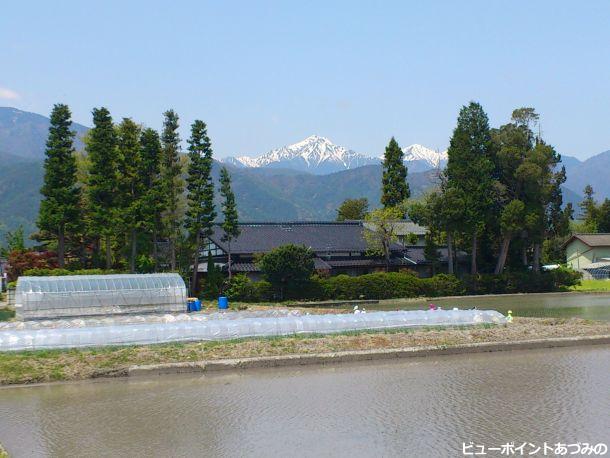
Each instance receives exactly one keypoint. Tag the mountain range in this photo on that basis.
(320, 156)
(307, 180)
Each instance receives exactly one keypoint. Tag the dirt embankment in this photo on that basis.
(45, 366)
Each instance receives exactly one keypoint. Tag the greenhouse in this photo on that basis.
(86, 295)
(222, 326)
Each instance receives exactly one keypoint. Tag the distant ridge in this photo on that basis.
(318, 155)
(24, 134)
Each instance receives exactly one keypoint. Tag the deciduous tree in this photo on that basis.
(380, 231)
(353, 209)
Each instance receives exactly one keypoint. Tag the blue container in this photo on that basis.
(193, 305)
(223, 303)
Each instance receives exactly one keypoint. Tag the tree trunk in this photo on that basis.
(194, 285)
(172, 254)
(449, 253)
(134, 251)
(83, 253)
(473, 256)
(108, 253)
(229, 261)
(386, 249)
(155, 253)
(503, 254)
(536, 262)
(524, 255)
(61, 247)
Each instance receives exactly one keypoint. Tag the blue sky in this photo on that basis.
(264, 74)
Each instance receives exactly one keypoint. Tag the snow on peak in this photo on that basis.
(319, 155)
(417, 152)
(314, 154)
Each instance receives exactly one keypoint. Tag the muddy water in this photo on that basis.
(591, 306)
(423, 407)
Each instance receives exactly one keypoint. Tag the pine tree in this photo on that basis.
(102, 180)
(59, 206)
(152, 200)
(395, 187)
(588, 208)
(470, 171)
(171, 182)
(131, 184)
(200, 211)
(230, 224)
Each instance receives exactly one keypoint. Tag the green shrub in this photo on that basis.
(380, 285)
(43, 272)
(564, 278)
(521, 282)
(241, 288)
(443, 285)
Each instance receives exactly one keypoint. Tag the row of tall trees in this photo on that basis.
(129, 194)
(500, 196)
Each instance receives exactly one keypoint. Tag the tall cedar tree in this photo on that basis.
(200, 211)
(152, 200)
(395, 187)
(512, 144)
(469, 171)
(59, 206)
(230, 224)
(102, 187)
(171, 182)
(131, 184)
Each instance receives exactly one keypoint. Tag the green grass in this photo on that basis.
(593, 285)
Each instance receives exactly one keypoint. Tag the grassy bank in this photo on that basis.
(45, 366)
(592, 285)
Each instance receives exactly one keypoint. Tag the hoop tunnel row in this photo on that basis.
(219, 329)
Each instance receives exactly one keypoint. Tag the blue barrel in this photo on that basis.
(197, 305)
(223, 303)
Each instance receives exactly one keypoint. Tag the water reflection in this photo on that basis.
(592, 306)
(422, 407)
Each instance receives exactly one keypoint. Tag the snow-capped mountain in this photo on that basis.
(320, 156)
(419, 158)
(315, 154)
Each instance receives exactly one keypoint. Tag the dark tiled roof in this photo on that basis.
(319, 264)
(402, 228)
(416, 253)
(370, 262)
(592, 240)
(320, 237)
